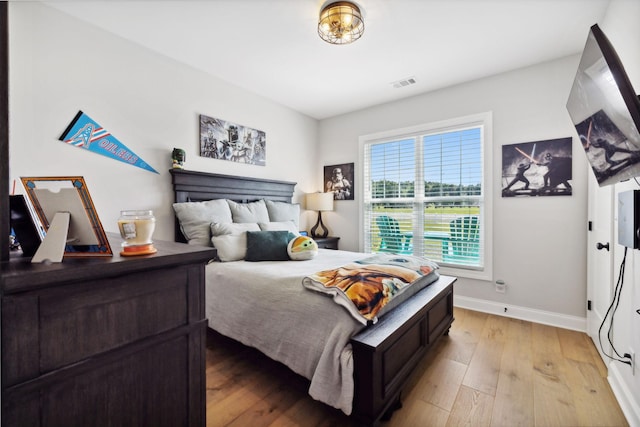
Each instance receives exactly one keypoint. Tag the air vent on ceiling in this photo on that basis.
(404, 82)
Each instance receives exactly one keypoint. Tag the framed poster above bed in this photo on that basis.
(224, 140)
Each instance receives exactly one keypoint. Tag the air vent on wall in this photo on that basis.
(404, 82)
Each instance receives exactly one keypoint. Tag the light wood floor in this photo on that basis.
(489, 371)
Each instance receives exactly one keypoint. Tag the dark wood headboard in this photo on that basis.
(192, 186)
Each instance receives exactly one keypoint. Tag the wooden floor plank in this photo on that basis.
(513, 405)
(460, 348)
(469, 329)
(596, 359)
(554, 404)
(440, 383)
(308, 412)
(417, 412)
(575, 345)
(592, 397)
(265, 411)
(472, 408)
(484, 369)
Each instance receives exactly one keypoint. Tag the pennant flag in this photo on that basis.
(86, 133)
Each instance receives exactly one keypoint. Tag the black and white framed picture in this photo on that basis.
(338, 179)
(220, 139)
(540, 168)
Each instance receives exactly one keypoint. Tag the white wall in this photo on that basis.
(538, 242)
(59, 65)
(622, 29)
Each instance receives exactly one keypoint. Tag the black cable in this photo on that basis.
(616, 297)
(614, 305)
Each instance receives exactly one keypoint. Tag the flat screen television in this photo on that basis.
(605, 111)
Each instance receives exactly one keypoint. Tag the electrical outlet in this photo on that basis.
(501, 287)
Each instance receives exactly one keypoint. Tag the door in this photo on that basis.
(599, 261)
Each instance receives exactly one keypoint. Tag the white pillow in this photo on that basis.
(195, 218)
(278, 226)
(230, 239)
(282, 211)
(249, 212)
(231, 247)
(219, 229)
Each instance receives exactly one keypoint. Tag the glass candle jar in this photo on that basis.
(136, 227)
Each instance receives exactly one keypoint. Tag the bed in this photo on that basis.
(358, 368)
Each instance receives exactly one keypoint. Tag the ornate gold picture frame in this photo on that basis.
(70, 196)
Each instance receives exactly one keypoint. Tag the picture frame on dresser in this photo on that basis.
(65, 201)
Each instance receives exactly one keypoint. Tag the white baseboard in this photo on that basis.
(624, 396)
(522, 313)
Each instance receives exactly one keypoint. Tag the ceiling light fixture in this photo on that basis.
(340, 23)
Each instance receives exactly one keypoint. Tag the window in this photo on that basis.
(425, 193)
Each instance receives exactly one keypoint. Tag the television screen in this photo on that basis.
(606, 112)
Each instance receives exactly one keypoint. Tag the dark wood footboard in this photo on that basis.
(387, 352)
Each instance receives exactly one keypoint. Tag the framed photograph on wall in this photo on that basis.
(220, 139)
(540, 168)
(339, 180)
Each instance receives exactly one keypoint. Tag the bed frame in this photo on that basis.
(384, 354)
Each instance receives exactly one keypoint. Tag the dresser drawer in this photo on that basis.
(143, 385)
(71, 323)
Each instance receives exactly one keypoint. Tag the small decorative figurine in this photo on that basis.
(178, 157)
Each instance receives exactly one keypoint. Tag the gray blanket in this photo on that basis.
(264, 305)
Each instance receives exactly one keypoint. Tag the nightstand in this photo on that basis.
(329, 242)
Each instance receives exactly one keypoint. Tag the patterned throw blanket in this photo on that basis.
(366, 286)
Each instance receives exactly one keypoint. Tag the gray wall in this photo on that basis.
(538, 243)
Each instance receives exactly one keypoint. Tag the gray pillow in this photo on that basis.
(279, 226)
(249, 212)
(267, 245)
(195, 218)
(282, 211)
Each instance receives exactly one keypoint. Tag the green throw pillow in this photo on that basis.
(268, 245)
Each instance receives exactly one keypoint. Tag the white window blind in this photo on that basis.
(423, 195)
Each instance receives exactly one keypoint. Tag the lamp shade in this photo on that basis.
(320, 201)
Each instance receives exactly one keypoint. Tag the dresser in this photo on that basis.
(116, 341)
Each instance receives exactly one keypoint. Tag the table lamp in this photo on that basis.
(319, 202)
